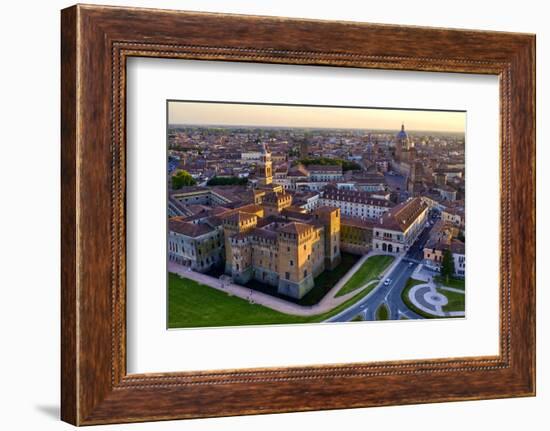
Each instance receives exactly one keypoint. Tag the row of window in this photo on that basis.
(355, 205)
(175, 247)
(200, 264)
(389, 235)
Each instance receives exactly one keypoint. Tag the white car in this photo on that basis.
(387, 282)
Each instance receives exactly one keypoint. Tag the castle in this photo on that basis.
(281, 252)
(281, 248)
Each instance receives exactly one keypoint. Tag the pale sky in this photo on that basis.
(230, 114)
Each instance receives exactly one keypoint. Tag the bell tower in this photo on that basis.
(402, 144)
(265, 167)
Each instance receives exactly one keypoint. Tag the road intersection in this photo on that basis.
(390, 295)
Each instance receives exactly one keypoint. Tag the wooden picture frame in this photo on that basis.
(95, 43)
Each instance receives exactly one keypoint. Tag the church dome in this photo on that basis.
(402, 135)
(402, 139)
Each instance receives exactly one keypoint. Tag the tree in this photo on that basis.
(293, 152)
(227, 181)
(447, 265)
(347, 165)
(182, 178)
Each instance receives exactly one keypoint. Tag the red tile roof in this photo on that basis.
(187, 228)
(296, 228)
(402, 216)
(355, 197)
(357, 222)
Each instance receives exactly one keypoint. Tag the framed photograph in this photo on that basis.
(265, 215)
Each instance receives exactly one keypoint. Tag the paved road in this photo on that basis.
(390, 295)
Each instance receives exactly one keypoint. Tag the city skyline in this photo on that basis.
(189, 113)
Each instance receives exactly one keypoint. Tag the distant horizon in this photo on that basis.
(244, 126)
(258, 116)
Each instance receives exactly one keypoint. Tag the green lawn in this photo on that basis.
(383, 313)
(411, 282)
(327, 279)
(193, 305)
(369, 271)
(456, 300)
(456, 283)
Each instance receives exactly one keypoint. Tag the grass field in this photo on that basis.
(456, 300)
(193, 305)
(456, 283)
(369, 271)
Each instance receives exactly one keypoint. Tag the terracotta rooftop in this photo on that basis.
(269, 220)
(324, 168)
(188, 189)
(276, 197)
(179, 206)
(250, 208)
(281, 169)
(454, 211)
(402, 216)
(187, 228)
(355, 197)
(324, 209)
(298, 171)
(357, 222)
(457, 246)
(239, 216)
(296, 228)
